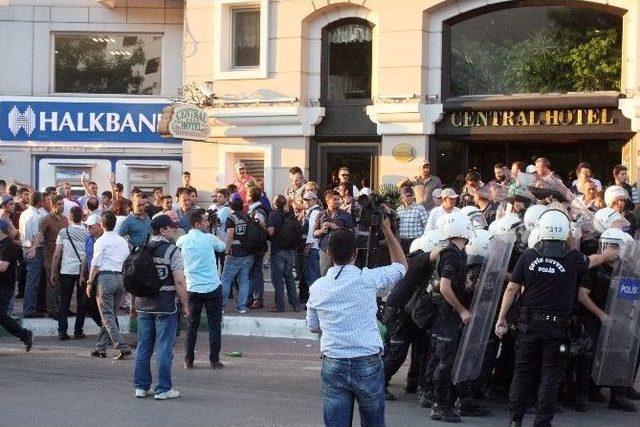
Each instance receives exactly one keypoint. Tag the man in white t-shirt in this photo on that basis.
(449, 199)
(67, 261)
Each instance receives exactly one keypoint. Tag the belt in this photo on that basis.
(110, 272)
(369, 357)
(548, 317)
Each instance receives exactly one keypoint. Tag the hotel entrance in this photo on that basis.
(360, 158)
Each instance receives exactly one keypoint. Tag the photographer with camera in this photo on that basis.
(351, 346)
(332, 218)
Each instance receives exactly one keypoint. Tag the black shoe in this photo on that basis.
(28, 341)
(99, 353)
(444, 413)
(216, 365)
(632, 394)
(622, 404)
(187, 365)
(597, 397)
(581, 404)
(411, 388)
(122, 354)
(63, 336)
(473, 408)
(71, 314)
(388, 395)
(79, 336)
(52, 317)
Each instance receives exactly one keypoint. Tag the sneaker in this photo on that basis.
(79, 336)
(122, 354)
(187, 365)
(63, 337)
(216, 365)
(257, 305)
(28, 341)
(143, 393)
(243, 311)
(444, 413)
(425, 398)
(169, 394)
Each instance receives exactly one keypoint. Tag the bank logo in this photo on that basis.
(25, 121)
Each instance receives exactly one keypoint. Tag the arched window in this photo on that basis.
(346, 60)
(532, 49)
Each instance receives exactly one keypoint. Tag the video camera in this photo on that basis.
(370, 215)
(214, 219)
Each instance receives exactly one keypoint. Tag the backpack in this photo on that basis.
(254, 239)
(289, 233)
(139, 272)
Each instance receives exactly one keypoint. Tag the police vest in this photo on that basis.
(164, 301)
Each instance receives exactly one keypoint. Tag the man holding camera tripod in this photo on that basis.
(351, 346)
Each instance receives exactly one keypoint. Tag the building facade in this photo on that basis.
(82, 88)
(381, 85)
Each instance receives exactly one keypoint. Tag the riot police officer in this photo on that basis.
(592, 296)
(450, 268)
(549, 275)
(402, 332)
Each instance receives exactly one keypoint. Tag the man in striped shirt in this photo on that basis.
(412, 218)
(342, 307)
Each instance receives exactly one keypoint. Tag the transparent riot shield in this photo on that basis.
(615, 358)
(483, 309)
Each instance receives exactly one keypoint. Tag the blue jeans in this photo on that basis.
(34, 274)
(240, 267)
(256, 280)
(282, 263)
(312, 266)
(345, 380)
(157, 330)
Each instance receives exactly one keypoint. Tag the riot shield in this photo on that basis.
(488, 291)
(615, 357)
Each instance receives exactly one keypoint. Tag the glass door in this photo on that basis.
(360, 158)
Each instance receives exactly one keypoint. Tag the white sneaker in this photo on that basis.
(143, 393)
(169, 394)
(241, 311)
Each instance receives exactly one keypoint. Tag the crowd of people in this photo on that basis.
(54, 244)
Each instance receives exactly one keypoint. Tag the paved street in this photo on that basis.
(275, 383)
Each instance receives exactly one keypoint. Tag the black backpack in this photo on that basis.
(289, 233)
(139, 271)
(254, 239)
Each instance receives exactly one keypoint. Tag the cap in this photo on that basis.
(5, 199)
(92, 219)
(310, 195)
(530, 169)
(4, 226)
(162, 221)
(240, 165)
(437, 193)
(448, 192)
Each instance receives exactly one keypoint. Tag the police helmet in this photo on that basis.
(614, 193)
(554, 225)
(507, 224)
(532, 215)
(608, 218)
(478, 247)
(475, 216)
(427, 242)
(615, 238)
(455, 225)
(534, 237)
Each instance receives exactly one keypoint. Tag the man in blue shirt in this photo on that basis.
(137, 226)
(199, 249)
(351, 345)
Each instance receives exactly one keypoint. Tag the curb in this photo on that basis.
(231, 325)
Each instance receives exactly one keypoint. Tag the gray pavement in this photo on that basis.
(275, 383)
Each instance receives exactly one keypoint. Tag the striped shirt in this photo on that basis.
(413, 219)
(344, 309)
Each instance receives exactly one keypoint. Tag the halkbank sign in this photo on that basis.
(80, 121)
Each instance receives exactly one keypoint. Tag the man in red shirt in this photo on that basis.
(243, 181)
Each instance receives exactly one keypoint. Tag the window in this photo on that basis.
(347, 57)
(534, 49)
(246, 37)
(107, 63)
(241, 39)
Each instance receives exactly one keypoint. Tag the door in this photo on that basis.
(360, 158)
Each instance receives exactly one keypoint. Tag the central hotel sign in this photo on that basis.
(531, 118)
